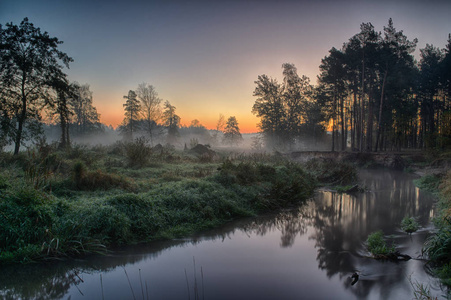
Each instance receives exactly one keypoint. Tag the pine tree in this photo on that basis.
(132, 109)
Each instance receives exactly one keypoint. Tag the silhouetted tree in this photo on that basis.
(150, 108)
(30, 63)
(219, 127)
(396, 78)
(282, 107)
(269, 107)
(63, 109)
(132, 109)
(171, 121)
(86, 118)
(333, 89)
(232, 133)
(296, 91)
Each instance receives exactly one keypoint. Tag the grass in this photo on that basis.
(90, 199)
(421, 291)
(378, 247)
(409, 225)
(438, 246)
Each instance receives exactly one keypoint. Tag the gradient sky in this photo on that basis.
(204, 56)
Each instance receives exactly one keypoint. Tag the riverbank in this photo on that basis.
(438, 245)
(58, 204)
(321, 241)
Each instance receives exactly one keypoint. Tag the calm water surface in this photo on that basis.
(305, 253)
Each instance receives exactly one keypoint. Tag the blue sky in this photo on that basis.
(204, 56)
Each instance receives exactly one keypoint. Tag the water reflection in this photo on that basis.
(333, 227)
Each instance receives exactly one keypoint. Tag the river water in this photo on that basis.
(308, 252)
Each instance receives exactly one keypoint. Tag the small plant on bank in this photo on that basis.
(409, 225)
(378, 247)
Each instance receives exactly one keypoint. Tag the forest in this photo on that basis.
(371, 95)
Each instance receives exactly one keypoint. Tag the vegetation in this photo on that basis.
(409, 225)
(331, 172)
(438, 246)
(30, 70)
(232, 133)
(370, 92)
(84, 200)
(378, 247)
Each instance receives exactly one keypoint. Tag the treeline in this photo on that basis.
(371, 95)
(35, 90)
(145, 116)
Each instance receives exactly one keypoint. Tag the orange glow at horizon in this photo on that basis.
(247, 122)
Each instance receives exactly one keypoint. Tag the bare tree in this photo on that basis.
(219, 127)
(150, 108)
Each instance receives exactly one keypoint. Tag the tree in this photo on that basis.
(270, 108)
(333, 89)
(232, 133)
(282, 107)
(86, 119)
(29, 65)
(150, 108)
(219, 127)
(132, 109)
(171, 121)
(63, 109)
(396, 69)
(195, 123)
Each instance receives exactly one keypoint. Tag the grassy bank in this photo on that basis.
(84, 200)
(438, 246)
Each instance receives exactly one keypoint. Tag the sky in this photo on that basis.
(204, 56)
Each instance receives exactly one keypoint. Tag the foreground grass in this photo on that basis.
(378, 247)
(67, 203)
(438, 246)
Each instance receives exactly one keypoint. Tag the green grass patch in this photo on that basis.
(378, 247)
(92, 199)
(438, 246)
(409, 225)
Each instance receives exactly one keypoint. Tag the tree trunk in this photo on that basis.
(362, 111)
(379, 127)
(342, 116)
(369, 126)
(21, 118)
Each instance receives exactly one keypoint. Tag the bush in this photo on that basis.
(138, 152)
(409, 225)
(378, 247)
(428, 183)
(328, 171)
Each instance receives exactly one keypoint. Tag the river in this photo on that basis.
(308, 252)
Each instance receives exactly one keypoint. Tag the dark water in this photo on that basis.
(305, 253)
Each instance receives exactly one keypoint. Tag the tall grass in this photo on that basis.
(378, 247)
(83, 208)
(438, 245)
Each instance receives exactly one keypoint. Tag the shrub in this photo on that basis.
(428, 183)
(409, 225)
(378, 247)
(332, 172)
(86, 180)
(138, 152)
